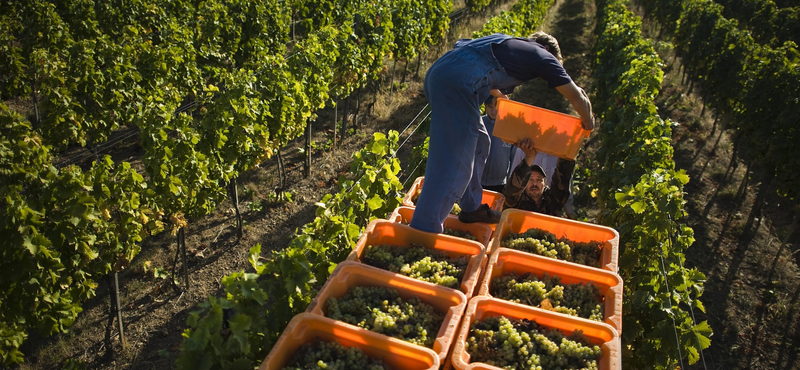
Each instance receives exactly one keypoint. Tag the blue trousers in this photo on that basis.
(456, 86)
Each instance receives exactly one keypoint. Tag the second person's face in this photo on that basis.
(536, 185)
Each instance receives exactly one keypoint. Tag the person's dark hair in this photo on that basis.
(549, 42)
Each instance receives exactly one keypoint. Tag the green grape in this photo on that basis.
(456, 233)
(460, 234)
(332, 356)
(456, 209)
(523, 344)
(418, 262)
(383, 311)
(545, 243)
(583, 300)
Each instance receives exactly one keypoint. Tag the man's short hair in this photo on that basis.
(549, 42)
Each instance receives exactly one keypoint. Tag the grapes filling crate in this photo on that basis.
(306, 328)
(381, 232)
(481, 309)
(509, 261)
(518, 221)
(449, 302)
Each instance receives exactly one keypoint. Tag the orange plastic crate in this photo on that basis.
(480, 231)
(306, 328)
(552, 132)
(351, 274)
(494, 199)
(519, 221)
(483, 307)
(386, 232)
(507, 261)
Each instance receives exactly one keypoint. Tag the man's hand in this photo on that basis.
(526, 145)
(587, 122)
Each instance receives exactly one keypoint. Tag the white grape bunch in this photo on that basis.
(321, 354)
(576, 299)
(457, 233)
(545, 243)
(524, 344)
(460, 234)
(418, 262)
(383, 311)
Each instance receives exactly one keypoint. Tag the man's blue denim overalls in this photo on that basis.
(456, 85)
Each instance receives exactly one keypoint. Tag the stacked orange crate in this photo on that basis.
(519, 221)
(481, 231)
(503, 261)
(306, 328)
(380, 232)
(508, 261)
(482, 307)
(351, 274)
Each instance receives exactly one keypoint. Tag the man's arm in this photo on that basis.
(560, 185)
(580, 101)
(519, 156)
(518, 180)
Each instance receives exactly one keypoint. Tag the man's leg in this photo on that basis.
(473, 195)
(454, 132)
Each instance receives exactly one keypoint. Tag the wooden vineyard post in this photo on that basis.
(358, 108)
(391, 82)
(182, 238)
(115, 309)
(181, 246)
(234, 194)
(118, 308)
(307, 158)
(281, 171)
(35, 100)
(344, 120)
(335, 122)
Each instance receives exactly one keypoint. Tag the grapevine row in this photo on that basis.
(61, 229)
(767, 22)
(525, 17)
(752, 86)
(640, 193)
